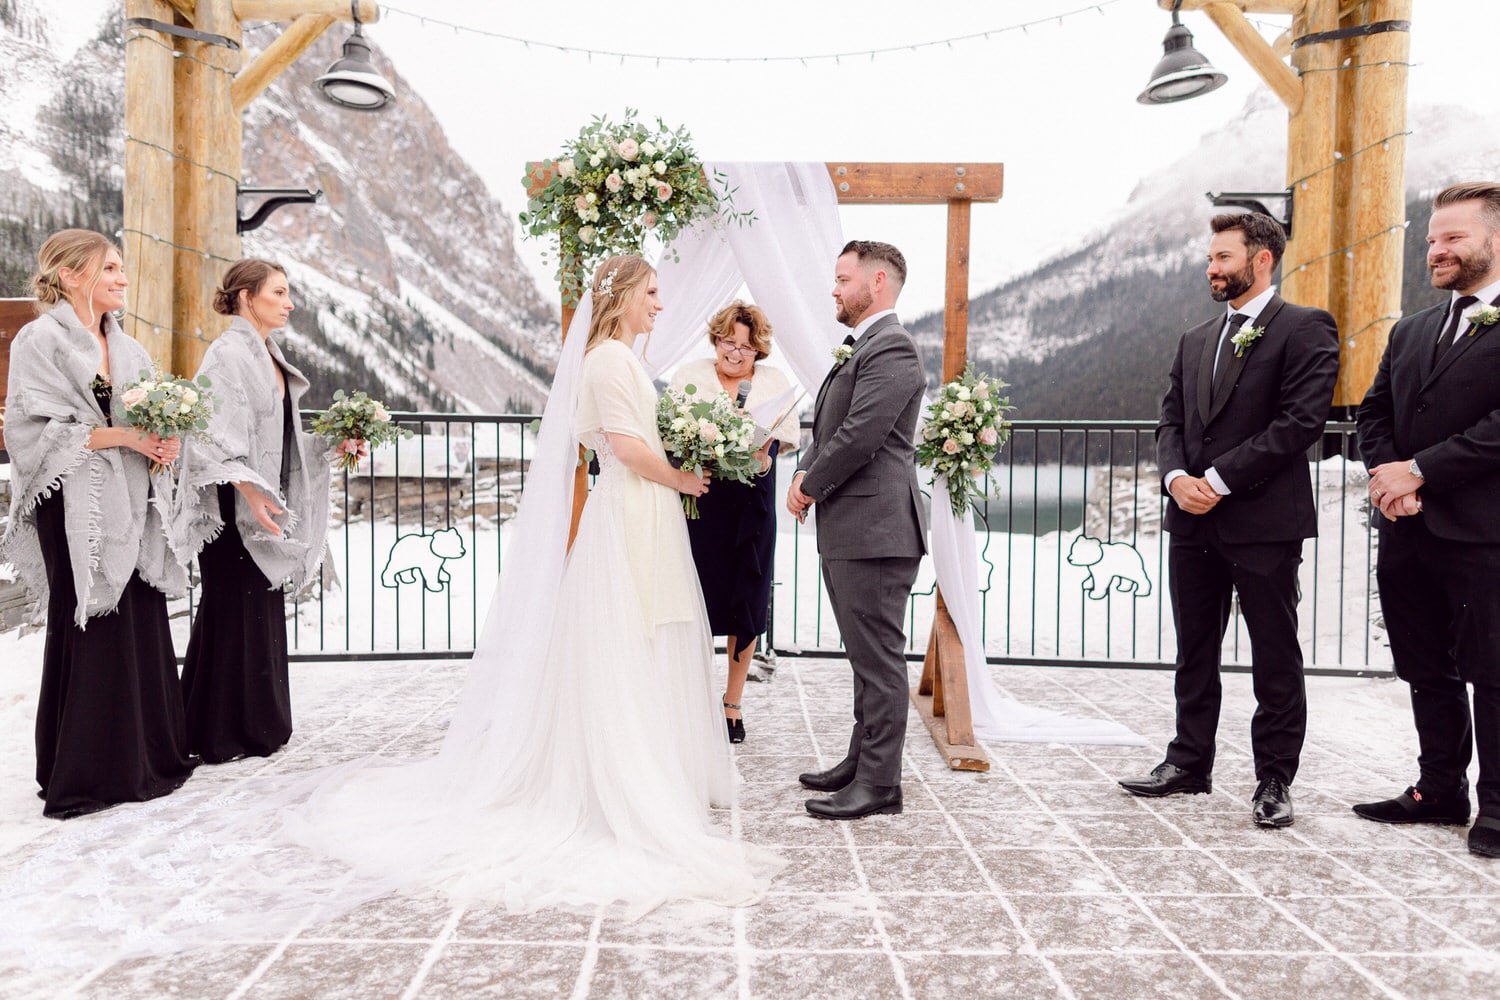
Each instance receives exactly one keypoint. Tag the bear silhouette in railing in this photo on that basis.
(422, 556)
(1110, 565)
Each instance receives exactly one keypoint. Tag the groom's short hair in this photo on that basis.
(1260, 232)
(882, 253)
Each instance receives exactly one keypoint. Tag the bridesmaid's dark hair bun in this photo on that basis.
(247, 275)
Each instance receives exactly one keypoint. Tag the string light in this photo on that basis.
(1340, 158)
(177, 53)
(1346, 250)
(425, 19)
(1347, 66)
(185, 159)
(1390, 317)
(205, 254)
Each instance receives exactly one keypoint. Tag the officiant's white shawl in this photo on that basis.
(113, 528)
(244, 445)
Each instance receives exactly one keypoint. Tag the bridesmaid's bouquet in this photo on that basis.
(161, 403)
(706, 436)
(965, 427)
(353, 419)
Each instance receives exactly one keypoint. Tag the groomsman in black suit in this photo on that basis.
(1250, 392)
(1429, 433)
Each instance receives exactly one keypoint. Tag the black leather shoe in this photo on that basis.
(1168, 779)
(1411, 806)
(831, 780)
(1272, 803)
(855, 800)
(1484, 837)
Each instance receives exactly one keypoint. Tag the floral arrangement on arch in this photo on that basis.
(964, 428)
(614, 186)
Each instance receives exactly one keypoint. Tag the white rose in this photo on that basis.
(963, 392)
(134, 396)
(708, 431)
(649, 148)
(660, 166)
(595, 160)
(629, 149)
(382, 415)
(566, 168)
(189, 397)
(587, 234)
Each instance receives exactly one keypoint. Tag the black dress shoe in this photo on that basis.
(1272, 803)
(833, 779)
(1484, 837)
(1168, 779)
(855, 800)
(1412, 806)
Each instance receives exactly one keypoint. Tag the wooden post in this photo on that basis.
(1380, 200)
(1309, 161)
(209, 139)
(150, 178)
(1347, 51)
(275, 58)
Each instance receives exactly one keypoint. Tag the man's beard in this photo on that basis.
(853, 306)
(1235, 285)
(1471, 269)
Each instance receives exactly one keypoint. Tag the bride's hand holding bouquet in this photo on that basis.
(706, 436)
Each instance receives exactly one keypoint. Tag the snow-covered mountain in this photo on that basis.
(406, 274)
(1090, 333)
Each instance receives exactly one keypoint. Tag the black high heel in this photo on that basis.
(736, 726)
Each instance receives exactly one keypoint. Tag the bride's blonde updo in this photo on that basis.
(615, 282)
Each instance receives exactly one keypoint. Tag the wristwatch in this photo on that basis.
(1412, 468)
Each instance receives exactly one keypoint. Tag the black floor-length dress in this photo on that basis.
(109, 723)
(235, 677)
(734, 547)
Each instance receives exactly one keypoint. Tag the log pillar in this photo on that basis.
(208, 143)
(1305, 276)
(149, 194)
(1379, 206)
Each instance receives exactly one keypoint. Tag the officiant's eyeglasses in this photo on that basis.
(730, 347)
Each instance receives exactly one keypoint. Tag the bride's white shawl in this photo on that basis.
(244, 444)
(113, 529)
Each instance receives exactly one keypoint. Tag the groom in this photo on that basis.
(860, 471)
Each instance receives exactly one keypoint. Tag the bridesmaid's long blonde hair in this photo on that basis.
(615, 281)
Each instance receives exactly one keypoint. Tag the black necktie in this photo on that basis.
(1226, 351)
(1450, 328)
(849, 338)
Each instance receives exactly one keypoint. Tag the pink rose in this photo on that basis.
(581, 203)
(629, 149)
(988, 436)
(663, 190)
(133, 396)
(950, 447)
(613, 182)
(649, 220)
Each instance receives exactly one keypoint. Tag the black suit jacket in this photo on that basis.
(1257, 433)
(1446, 416)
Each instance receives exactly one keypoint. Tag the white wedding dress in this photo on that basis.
(579, 769)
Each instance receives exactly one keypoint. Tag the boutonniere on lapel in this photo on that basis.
(1246, 336)
(1482, 316)
(842, 353)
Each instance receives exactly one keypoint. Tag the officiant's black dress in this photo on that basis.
(235, 680)
(734, 548)
(109, 722)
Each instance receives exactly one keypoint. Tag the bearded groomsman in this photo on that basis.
(1249, 394)
(861, 474)
(1429, 433)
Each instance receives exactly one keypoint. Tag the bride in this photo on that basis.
(579, 768)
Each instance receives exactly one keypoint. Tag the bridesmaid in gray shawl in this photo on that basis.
(254, 509)
(86, 538)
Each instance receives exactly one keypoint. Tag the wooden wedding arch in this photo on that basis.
(942, 695)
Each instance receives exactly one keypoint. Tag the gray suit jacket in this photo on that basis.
(860, 468)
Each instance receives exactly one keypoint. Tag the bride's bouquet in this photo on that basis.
(161, 403)
(706, 436)
(965, 427)
(356, 418)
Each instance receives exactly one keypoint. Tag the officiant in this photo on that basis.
(734, 536)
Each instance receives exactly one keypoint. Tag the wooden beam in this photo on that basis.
(1310, 153)
(1247, 6)
(1380, 200)
(149, 176)
(187, 8)
(956, 292)
(1282, 46)
(291, 10)
(916, 183)
(276, 57)
(1257, 52)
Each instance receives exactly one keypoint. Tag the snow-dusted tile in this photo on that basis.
(1089, 923)
(919, 869)
(464, 971)
(820, 922)
(1038, 871)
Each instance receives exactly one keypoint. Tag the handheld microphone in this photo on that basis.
(744, 394)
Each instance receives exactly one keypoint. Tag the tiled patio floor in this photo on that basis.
(1038, 879)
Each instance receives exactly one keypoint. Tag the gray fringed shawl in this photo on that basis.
(244, 444)
(114, 529)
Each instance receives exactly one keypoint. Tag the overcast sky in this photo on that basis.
(1055, 103)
